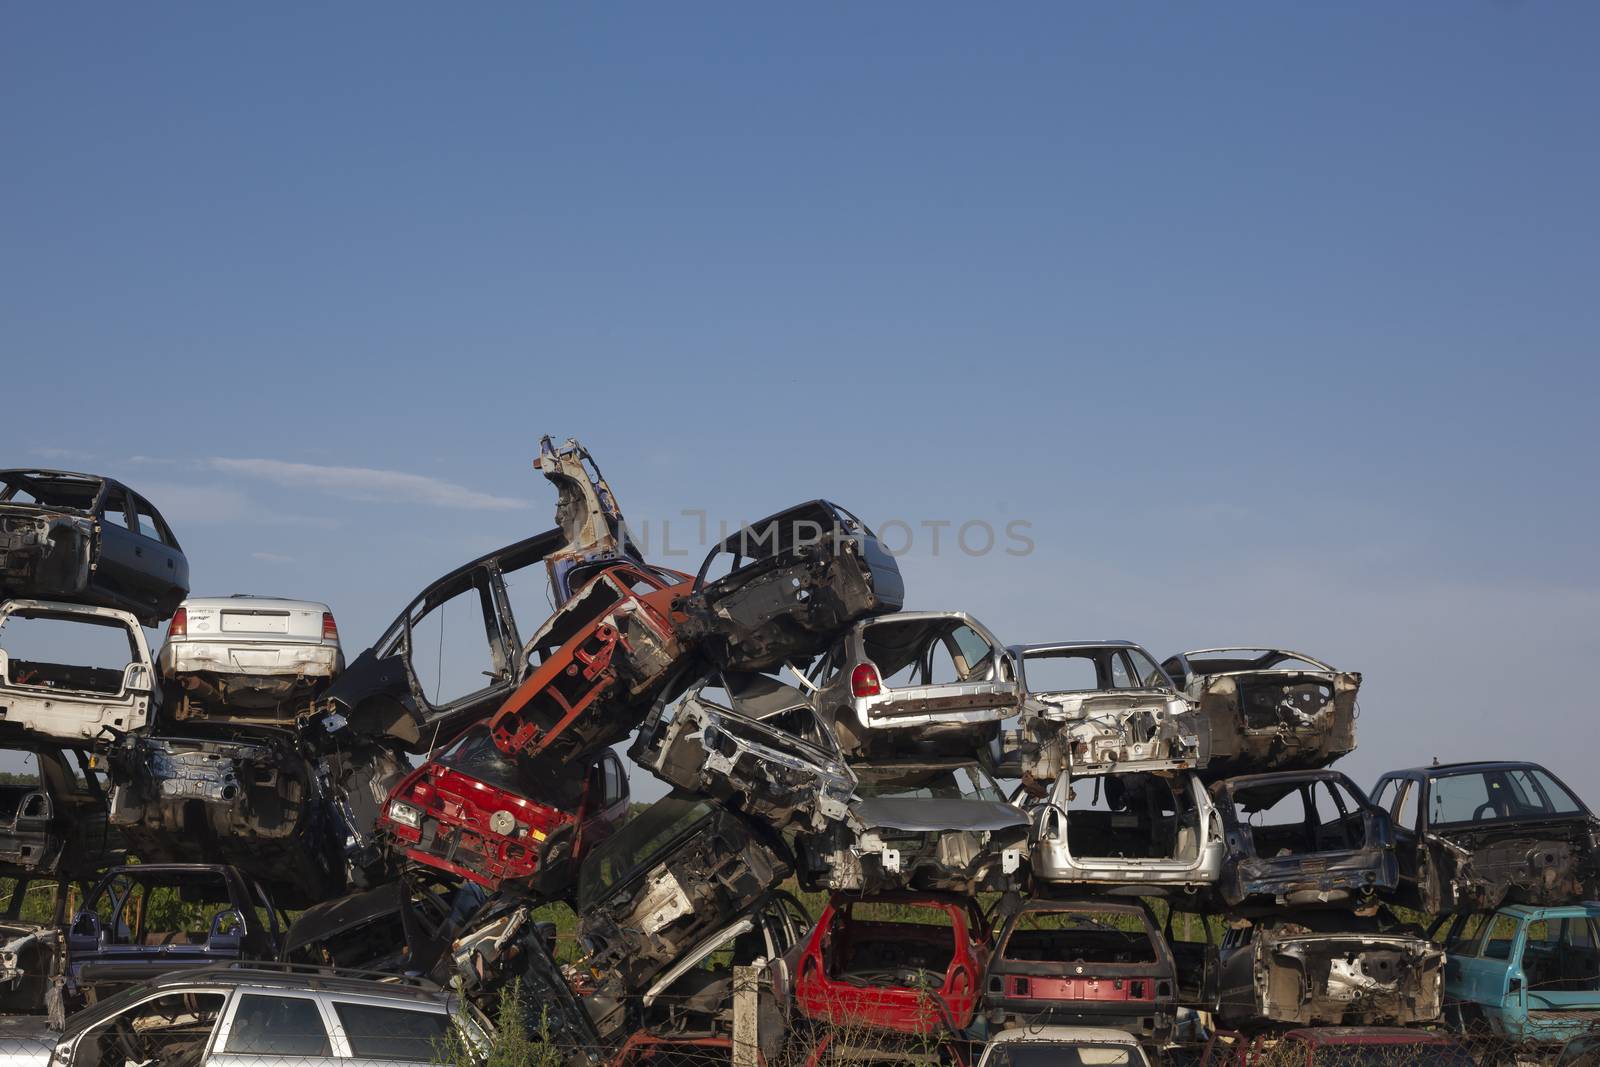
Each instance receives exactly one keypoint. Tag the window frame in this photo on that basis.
(224, 1033)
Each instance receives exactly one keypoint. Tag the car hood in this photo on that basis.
(923, 814)
(325, 920)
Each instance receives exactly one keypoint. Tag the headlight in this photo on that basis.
(405, 814)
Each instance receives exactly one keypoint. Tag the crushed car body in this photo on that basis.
(1329, 968)
(1156, 832)
(247, 659)
(1268, 709)
(935, 681)
(1100, 706)
(1081, 963)
(928, 825)
(404, 926)
(782, 588)
(754, 743)
(72, 702)
(1303, 838)
(595, 665)
(255, 803)
(677, 871)
(117, 938)
(88, 539)
(1471, 836)
(903, 962)
(587, 513)
(53, 818)
(494, 819)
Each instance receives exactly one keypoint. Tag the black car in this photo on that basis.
(785, 587)
(1306, 838)
(88, 539)
(1082, 963)
(403, 926)
(1472, 836)
(406, 689)
(143, 920)
(53, 819)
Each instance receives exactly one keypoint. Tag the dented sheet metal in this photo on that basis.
(753, 743)
(72, 702)
(1269, 709)
(586, 513)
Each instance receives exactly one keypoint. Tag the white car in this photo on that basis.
(1063, 1046)
(240, 654)
(69, 671)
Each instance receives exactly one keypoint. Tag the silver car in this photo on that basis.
(1146, 830)
(916, 679)
(1100, 706)
(254, 1014)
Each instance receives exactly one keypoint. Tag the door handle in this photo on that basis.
(137, 551)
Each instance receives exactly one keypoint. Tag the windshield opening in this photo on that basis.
(929, 782)
(637, 846)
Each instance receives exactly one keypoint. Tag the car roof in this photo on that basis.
(1061, 646)
(1469, 765)
(1064, 1034)
(41, 472)
(1536, 911)
(302, 978)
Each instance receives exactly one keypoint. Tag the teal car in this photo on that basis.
(1528, 973)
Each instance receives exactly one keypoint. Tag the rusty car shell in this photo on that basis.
(1473, 836)
(503, 821)
(1335, 847)
(381, 695)
(255, 803)
(1268, 709)
(596, 665)
(88, 539)
(56, 824)
(796, 579)
(754, 743)
(1163, 834)
(74, 702)
(1081, 963)
(936, 681)
(1131, 719)
(929, 825)
(677, 871)
(1327, 968)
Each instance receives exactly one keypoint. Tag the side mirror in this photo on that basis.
(84, 935)
(227, 929)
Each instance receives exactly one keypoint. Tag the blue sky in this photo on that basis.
(1277, 323)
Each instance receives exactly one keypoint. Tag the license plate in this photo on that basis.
(242, 622)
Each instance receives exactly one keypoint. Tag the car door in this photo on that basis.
(120, 563)
(172, 1026)
(372, 1033)
(166, 571)
(273, 1028)
(459, 651)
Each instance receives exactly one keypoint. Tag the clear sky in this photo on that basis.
(1277, 323)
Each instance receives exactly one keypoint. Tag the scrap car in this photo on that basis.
(1525, 973)
(1327, 968)
(679, 870)
(53, 817)
(1302, 838)
(255, 803)
(1089, 962)
(497, 820)
(1268, 709)
(784, 587)
(934, 681)
(247, 659)
(127, 930)
(938, 825)
(753, 743)
(1100, 706)
(1064, 1046)
(902, 962)
(404, 926)
(1471, 836)
(88, 539)
(596, 665)
(1158, 832)
(109, 684)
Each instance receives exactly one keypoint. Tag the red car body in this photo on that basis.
(898, 975)
(491, 818)
(603, 653)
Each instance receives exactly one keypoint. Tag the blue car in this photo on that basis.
(1529, 973)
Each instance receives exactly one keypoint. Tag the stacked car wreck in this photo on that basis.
(836, 871)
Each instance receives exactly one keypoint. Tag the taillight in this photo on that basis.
(330, 631)
(864, 681)
(180, 624)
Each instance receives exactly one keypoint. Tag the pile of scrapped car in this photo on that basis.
(1176, 851)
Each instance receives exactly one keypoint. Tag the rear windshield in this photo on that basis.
(1079, 936)
(1083, 670)
(638, 845)
(75, 493)
(1505, 794)
(82, 652)
(476, 756)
